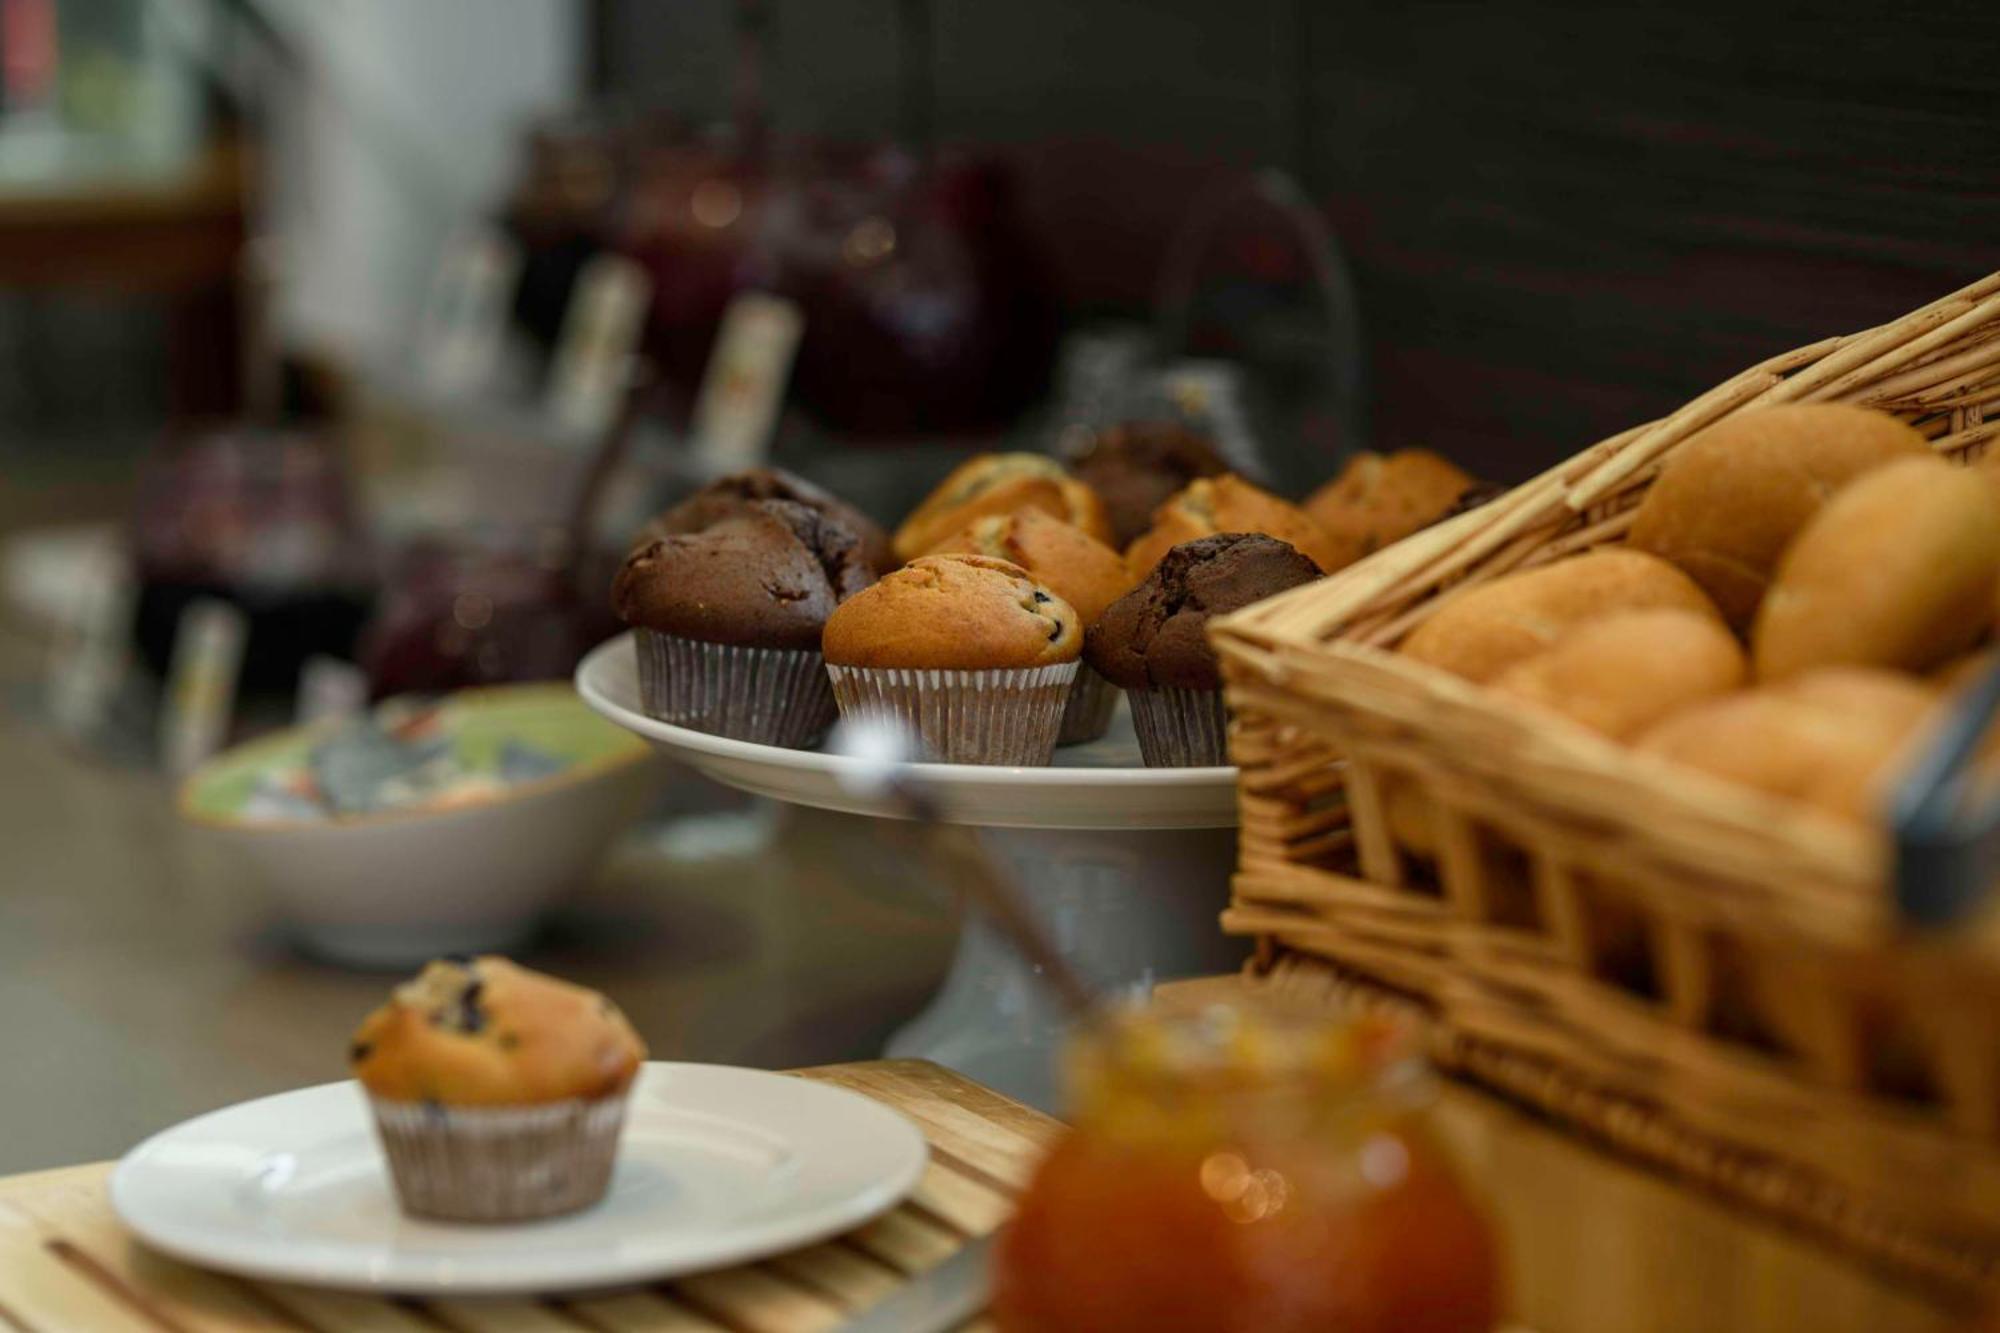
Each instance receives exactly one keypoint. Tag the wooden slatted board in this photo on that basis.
(67, 1264)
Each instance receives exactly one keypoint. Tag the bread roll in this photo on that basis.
(1618, 674)
(1732, 497)
(1484, 630)
(1900, 569)
(1831, 739)
(1892, 700)
(1377, 500)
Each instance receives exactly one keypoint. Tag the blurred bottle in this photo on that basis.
(1257, 1169)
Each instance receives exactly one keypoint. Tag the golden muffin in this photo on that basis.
(970, 656)
(1000, 484)
(1380, 499)
(1228, 504)
(1066, 560)
(954, 613)
(1078, 568)
(498, 1093)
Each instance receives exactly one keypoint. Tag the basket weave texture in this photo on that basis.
(1709, 977)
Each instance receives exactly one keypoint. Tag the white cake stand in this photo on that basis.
(1128, 866)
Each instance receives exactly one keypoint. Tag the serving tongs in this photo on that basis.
(1946, 817)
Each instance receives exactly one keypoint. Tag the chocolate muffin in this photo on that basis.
(1154, 640)
(1137, 466)
(729, 618)
(733, 495)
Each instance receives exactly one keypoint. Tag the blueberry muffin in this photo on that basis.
(1078, 568)
(1000, 484)
(728, 620)
(967, 651)
(499, 1093)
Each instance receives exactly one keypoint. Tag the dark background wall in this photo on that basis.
(1563, 217)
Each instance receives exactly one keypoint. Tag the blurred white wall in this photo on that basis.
(404, 129)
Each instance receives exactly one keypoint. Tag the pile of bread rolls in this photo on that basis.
(1801, 590)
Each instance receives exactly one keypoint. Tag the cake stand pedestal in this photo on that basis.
(1126, 866)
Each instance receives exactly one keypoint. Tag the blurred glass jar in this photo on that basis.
(1233, 1170)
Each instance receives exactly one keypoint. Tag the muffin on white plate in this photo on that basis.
(499, 1093)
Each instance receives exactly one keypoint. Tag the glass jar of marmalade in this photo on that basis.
(1247, 1167)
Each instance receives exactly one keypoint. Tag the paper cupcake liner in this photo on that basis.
(1004, 716)
(774, 696)
(1181, 728)
(1087, 715)
(499, 1163)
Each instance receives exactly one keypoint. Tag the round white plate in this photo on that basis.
(718, 1166)
(1102, 785)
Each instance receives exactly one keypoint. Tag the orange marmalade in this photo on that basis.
(1246, 1168)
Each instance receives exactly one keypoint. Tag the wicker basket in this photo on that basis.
(1700, 974)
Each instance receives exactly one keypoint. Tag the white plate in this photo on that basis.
(1102, 785)
(718, 1166)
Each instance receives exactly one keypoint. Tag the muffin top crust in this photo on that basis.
(486, 1032)
(954, 613)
